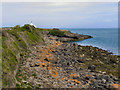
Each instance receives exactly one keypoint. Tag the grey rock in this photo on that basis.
(103, 81)
(92, 68)
(37, 63)
(32, 64)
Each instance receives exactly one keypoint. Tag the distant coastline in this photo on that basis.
(105, 38)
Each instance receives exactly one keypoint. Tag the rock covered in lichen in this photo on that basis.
(66, 65)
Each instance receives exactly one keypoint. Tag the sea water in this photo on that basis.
(104, 38)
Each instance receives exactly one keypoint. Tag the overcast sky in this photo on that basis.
(61, 14)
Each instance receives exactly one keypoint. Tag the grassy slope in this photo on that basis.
(14, 43)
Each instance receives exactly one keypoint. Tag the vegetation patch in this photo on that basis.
(56, 32)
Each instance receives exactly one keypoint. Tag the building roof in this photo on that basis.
(32, 24)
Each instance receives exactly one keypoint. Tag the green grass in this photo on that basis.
(56, 32)
(34, 74)
(4, 45)
(33, 37)
(18, 40)
(17, 85)
(10, 64)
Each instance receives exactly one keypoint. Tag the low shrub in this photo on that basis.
(56, 32)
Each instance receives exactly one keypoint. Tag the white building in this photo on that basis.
(32, 24)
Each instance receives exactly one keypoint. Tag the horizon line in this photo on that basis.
(62, 27)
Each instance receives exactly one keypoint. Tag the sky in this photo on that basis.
(60, 0)
(61, 14)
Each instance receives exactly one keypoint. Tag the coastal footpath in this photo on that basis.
(46, 58)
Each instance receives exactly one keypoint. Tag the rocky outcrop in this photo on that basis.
(65, 65)
(67, 37)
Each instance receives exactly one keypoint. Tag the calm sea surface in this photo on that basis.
(105, 38)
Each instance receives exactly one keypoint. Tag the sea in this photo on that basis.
(104, 38)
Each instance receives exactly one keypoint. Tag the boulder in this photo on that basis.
(75, 44)
(80, 61)
(92, 68)
(37, 63)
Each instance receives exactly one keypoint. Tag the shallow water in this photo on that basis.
(105, 38)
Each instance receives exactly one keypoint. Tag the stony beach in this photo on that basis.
(60, 64)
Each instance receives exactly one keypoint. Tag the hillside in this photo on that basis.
(44, 58)
(15, 43)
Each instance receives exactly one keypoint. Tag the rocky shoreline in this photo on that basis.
(59, 64)
(68, 37)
